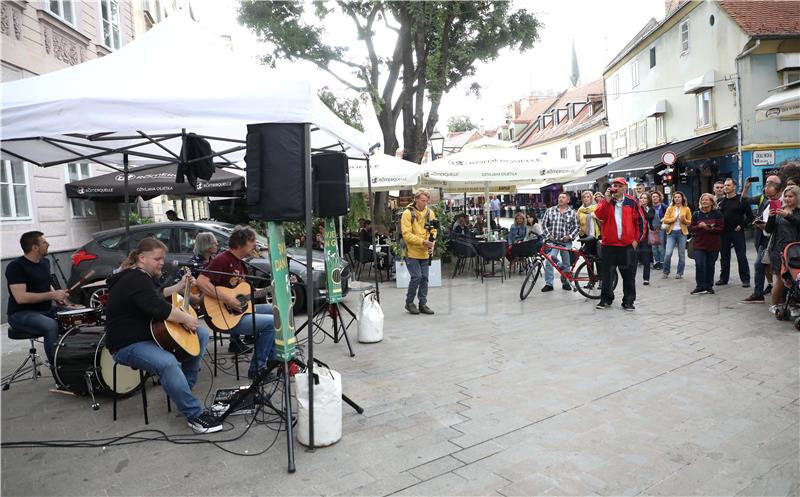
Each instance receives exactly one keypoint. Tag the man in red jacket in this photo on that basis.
(624, 227)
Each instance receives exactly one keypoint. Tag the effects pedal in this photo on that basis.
(242, 398)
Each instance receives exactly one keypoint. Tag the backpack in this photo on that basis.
(401, 242)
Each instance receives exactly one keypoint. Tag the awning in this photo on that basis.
(782, 105)
(588, 181)
(657, 108)
(149, 182)
(642, 162)
(700, 83)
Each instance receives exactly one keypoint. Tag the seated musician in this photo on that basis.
(133, 301)
(30, 295)
(241, 244)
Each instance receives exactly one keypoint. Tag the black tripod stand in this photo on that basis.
(335, 312)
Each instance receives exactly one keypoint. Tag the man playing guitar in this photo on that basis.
(241, 243)
(133, 302)
(30, 295)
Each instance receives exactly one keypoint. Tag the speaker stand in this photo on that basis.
(335, 312)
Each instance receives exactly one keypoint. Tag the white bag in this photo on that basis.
(370, 319)
(327, 407)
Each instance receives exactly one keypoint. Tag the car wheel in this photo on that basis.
(96, 298)
(298, 298)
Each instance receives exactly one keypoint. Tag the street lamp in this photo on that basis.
(437, 145)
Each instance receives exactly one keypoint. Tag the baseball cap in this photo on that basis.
(621, 181)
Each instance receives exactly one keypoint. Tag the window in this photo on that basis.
(652, 57)
(563, 153)
(684, 37)
(587, 147)
(615, 86)
(634, 73)
(703, 108)
(789, 77)
(642, 129)
(163, 234)
(80, 207)
(620, 143)
(578, 152)
(109, 11)
(14, 191)
(111, 242)
(661, 136)
(511, 133)
(632, 146)
(603, 144)
(61, 8)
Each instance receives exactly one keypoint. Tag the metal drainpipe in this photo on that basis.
(739, 105)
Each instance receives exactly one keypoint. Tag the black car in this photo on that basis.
(107, 250)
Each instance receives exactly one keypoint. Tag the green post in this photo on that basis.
(285, 340)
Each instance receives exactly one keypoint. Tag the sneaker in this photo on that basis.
(645, 283)
(566, 286)
(424, 309)
(745, 285)
(753, 299)
(710, 291)
(628, 307)
(205, 423)
(238, 347)
(665, 276)
(411, 308)
(547, 288)
(721, 283)
(768, 290)
(698, 291)
(602, 305)
(657, 266)
(678, 276)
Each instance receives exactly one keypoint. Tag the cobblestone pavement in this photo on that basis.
(490, 396)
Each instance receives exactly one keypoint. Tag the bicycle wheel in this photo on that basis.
(534, 271)
(587, 280)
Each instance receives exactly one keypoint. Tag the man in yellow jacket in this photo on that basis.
(418, 249)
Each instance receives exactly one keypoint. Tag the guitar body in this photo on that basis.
(173, 337)
(218, 315)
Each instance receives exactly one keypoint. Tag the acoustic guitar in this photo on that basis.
(174, 337)
(219, 315)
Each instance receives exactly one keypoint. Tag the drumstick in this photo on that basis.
(80, 281)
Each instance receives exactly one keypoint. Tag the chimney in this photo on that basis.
(517, 109)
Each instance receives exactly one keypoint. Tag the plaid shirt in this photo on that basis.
(557, 225)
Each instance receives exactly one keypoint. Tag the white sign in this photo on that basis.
(668, 158)
(764, 158)
(667, 190)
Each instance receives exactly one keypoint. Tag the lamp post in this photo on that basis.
(437, 145)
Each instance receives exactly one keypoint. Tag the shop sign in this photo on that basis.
(763, 157)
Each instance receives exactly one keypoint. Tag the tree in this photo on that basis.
(460, 123)
(437, 47)
(345, 108)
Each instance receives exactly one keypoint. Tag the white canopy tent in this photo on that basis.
(492, 169)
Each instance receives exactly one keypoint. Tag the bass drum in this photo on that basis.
(82, 350)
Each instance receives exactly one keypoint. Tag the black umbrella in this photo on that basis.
(151, 182)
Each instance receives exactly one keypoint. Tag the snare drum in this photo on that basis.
(77, 317)
(82, 350)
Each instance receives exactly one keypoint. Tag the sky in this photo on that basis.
(599, 28)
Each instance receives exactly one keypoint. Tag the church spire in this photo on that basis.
(575, 74)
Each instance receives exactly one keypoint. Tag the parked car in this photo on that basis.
(107, 249)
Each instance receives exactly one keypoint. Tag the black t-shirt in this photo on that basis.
(36, 276)
(735, 212)
(133, 301)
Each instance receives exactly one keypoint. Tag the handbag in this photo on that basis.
(690, 248)
(654, 237)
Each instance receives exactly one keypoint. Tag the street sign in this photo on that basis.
(763, 157)
(668, 158)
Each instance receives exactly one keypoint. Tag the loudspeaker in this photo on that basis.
(275, 171)
(331, 184)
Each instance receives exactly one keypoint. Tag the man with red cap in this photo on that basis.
(624, 227)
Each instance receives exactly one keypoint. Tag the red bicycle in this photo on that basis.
(583, 275)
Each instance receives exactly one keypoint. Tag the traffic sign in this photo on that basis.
(668, 158)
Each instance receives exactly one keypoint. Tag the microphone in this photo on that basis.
(192, 265)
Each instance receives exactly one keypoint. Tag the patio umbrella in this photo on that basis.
(387, 172)
(147, 182)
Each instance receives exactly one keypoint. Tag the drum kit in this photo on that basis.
(82, 364)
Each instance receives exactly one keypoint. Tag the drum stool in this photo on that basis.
(143, 376)
(20, 333)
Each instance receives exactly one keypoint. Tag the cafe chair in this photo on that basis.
(523, 253)
(492, 252)
(464, 253)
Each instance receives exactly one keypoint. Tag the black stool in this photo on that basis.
(19, 333)
(142, 385)
(235, 355)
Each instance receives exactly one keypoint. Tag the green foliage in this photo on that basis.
(358, 210)
(346, 108)
(460, 123)
(135, 218)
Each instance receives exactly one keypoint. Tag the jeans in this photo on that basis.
(643, 254)
(418, 286)
(758, 270)
(623, 258)
(675, 239)
(658, 250)
(561, 256)
(38, 324)
(177, 378)
(264, 335)
(735, 239)
(704, 268)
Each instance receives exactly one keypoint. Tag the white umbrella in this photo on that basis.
(387, 172)
(486, 143)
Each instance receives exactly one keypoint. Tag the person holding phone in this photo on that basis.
(737, 216)
(706, 228)
(784, 225)
(768, 200)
